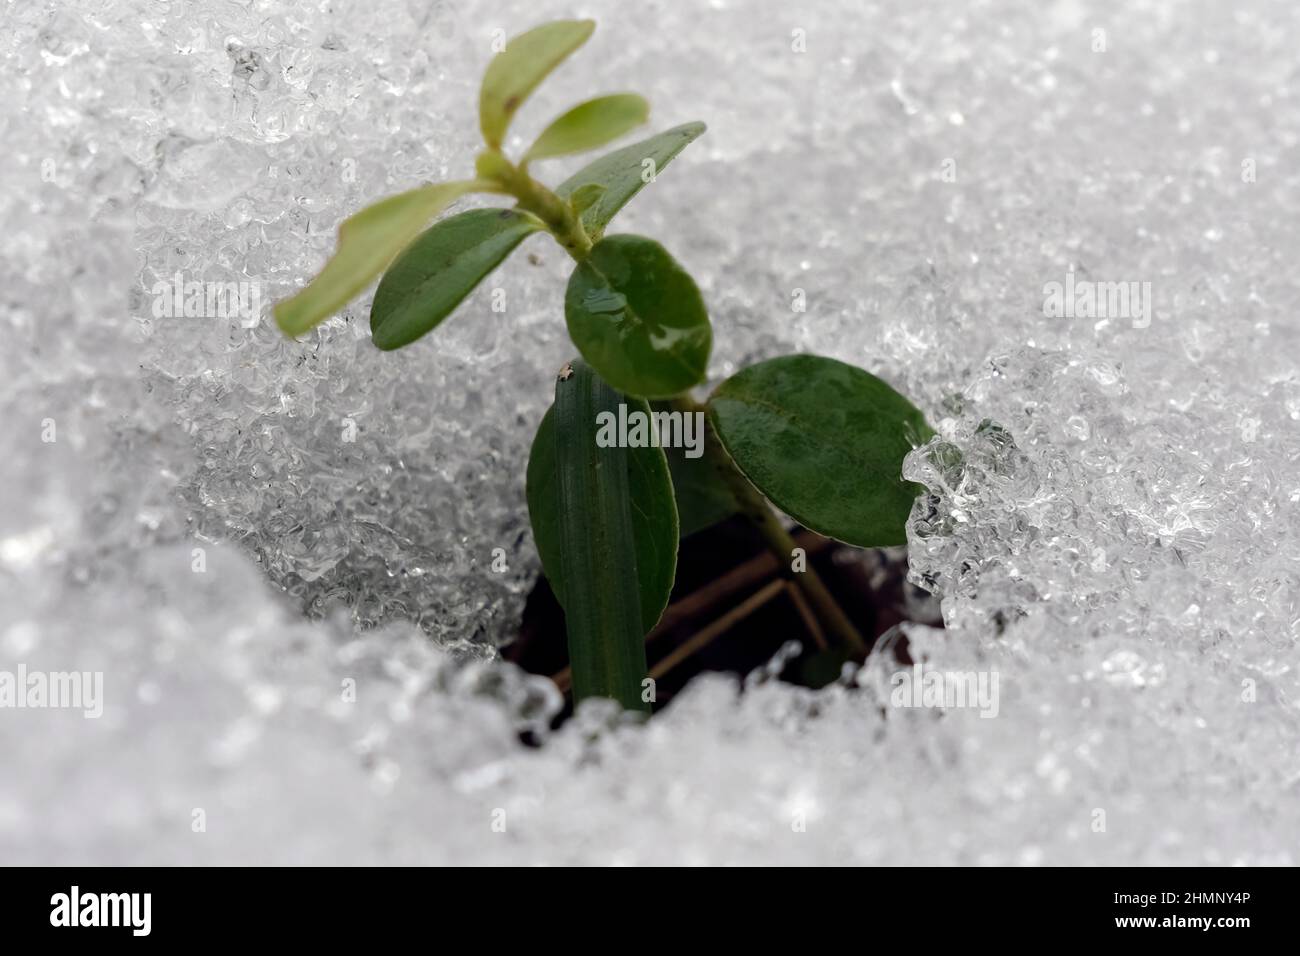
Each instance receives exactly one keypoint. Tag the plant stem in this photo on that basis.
(806, 612)
(567, 228)
(754, 507)
(704, 637)
(558, 215)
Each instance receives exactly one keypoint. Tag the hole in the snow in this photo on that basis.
(733, 608)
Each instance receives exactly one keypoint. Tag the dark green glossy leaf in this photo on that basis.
(825, 442)
(606, 529)
(590, 124)
(638, 318)
(515, 72)
(442, 267)
(623, 173)
(703, 498)
(654, 517)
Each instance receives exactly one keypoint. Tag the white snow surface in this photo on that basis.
(1115, 534)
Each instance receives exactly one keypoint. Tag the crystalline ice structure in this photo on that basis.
(279, 555)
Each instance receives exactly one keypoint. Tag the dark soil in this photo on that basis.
(726, 570)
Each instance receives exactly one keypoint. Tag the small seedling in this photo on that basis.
(820, 439)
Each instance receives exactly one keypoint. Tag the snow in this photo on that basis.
(280, 555)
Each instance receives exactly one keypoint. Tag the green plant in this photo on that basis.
(824, 441)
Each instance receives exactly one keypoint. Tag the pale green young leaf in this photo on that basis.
(492, 165)
(368, 241)
(515, 72)
(590, 124)
(582, 199)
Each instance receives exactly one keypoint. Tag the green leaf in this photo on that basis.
(492, 165)
(590, 124)
(624, 171)
(638, 317)
(606, 529)
(654, 517)
(442, 267)
(515, 72)
(825, 442)
(368, 241)
(582, 199)
(703, 498)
